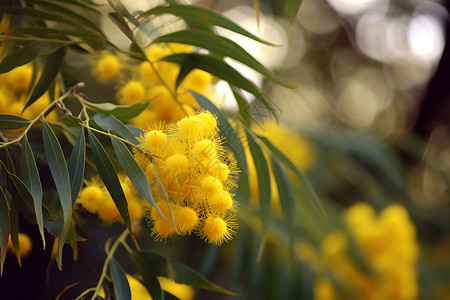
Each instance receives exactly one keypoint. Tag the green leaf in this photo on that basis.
(65, 12)
(121, 24)
(76, 165)
(293, 6)
(60, 174)
(134, 171)
(121, 286)
(222, 70)
(5, 228)
(30, 176)
(39, 15)
(242, 104)
(108, 174)
(305, 186)
(146, 260)
(12, 122)
(162, 192)
(135, 130)
(220, 46)
(116, 127)
(51, 69)
(121, 112)
(232, 139)
(149, 274)
(199, 14)
(22, 196)
(19, 57)
(286, 195)
(9, 162)
(14, 227)
(264, 189)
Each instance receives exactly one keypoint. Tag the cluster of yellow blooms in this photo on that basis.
(154, 81)
(193, 168)
(13, 89)
(95, 198)
(390, 249)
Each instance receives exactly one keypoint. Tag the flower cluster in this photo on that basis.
(389, 247)
(13, 94)
(95, 198)
(191, 164)
(154, 80)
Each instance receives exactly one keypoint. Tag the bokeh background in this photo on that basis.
(368, 122)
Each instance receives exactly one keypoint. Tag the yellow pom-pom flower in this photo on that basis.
(20, 77)
(155, 140)
(219, 170)
(211, 187)
(220, 203)
(90, 198)
(186, 220)
(108, 67)
(25, 244)
(190, 129)
(205, 152)
(176, 164)
(107, 210)
(216, 231)
(133, 92)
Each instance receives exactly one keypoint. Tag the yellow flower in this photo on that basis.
(133, 92)
(25, 244)
(216, 230)
(108, 67)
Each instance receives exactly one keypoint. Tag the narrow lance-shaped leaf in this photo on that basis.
(134, 172)
(21, 195)
(108, 174)
(14, 228)
(30, 176)
(264, 189)
(201, 14)
(220, 46)
(76, 165)
(60, 174)
(221, 69)
(51, 69)
(121, 112)
(4, 228)
(149, 273)
(12, 122)
(232, 139)
(18, 58)
(305, 186)
(117, 127)
(293, 6)
(286, 196)
(120, 282)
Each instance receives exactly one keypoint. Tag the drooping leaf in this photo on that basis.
(65, 12)
(30, 176)
(9, 162)
(12, 122)
(149, 274)
(120, 22)
(5, 228)
(264, 188)
(58, 168)
(162, 192)
(51, 69)
(221, 69)
(121, 112)
(120, 282)
(108, 174)
(242, 104)
(21, 195)
(14, 227)
(39, 15)
(134, 171)
(146, 260)
(200, 14)
(18, 58)
(286, 196)
(116, 127)
(135, 130)
(293, 6)
(76, 165)
(232, 139)
(305, 186)
(221, 46)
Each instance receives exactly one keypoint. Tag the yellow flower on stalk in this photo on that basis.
(186, 155)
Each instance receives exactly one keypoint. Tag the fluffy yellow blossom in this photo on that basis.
(201, 203)
(131, 93)
(25, 244)
(388, 244)
(107, 67)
